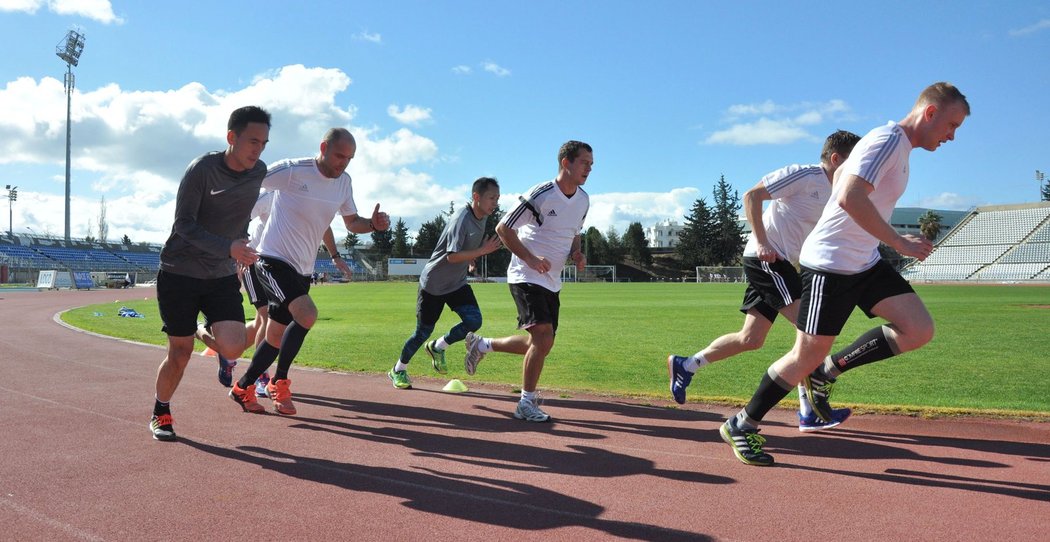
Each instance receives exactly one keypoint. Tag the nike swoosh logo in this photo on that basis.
(216, 192)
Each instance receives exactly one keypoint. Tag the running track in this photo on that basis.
(364, 461)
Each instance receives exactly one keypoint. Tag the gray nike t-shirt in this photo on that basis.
(464, 232)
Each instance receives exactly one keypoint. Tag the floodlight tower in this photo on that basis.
(69, 50)
(1039, 178)
(12, 195)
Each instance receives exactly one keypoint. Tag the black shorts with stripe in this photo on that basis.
(283, 284)
(181, 299)
(828, 299)
(536, 305)
(770, 287)
(253, 287)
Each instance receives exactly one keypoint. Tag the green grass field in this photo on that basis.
(989, 354)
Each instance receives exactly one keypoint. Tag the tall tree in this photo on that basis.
(595, 248)
(636, 245)
(126, 241)
(400, 247)
(727, 239)
(930, 224)
(1045, 190)
(103, 226)
(351, 241)
(429, 233)
(614, 247)
(694, 245)
(383, 244)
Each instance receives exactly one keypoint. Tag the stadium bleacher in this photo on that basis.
(1003, 243)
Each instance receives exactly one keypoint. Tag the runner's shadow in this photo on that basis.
(1031, 450)
(581, 461)
(483, 500)
(834, 444)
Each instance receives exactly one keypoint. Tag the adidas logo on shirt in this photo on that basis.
(552, 213)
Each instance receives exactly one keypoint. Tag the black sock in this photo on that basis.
(263, 358)
(870, 347)
(771, 390)
(291, 342)
(160, 409)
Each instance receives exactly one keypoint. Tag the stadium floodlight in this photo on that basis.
(69, 51)
(12, 196)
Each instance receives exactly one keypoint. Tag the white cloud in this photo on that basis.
(374, 37)
(96, 10)
(494, 68)
(461, 70)
(412, 115)
(133, 147)
(948, 201)
(776, 124)
(1032, 29)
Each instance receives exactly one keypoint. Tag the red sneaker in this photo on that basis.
(246, 398)
(282, 396)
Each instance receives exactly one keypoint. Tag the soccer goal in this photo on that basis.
(590, 273)
(719, 273)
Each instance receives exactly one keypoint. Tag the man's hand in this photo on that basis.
(344, 268)
(490, 244)
(914, 246)
(380, 221)
(766, 254)
(579, 259)
(242, 253)
(539, 264)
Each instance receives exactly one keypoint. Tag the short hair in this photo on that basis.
(571, 149)
(841, 142)
(483, 185)
(942, 94)
(241, 117)
(337, 134)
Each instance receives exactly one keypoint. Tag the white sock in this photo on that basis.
(694, 362)
(440, 344)
(803, 404)
(529, 396)
(485, 345)
(400, 366)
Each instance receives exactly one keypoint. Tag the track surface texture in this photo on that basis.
(364, 461)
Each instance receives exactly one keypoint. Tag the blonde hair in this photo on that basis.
(942, 94)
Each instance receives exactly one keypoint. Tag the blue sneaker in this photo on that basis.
(260, 385)
(225, 370)
(811, 423)
(680, 378)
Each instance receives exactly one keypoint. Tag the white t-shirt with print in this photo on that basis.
(799, 195)
(562, 219)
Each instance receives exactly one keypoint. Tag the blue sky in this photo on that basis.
(672, 95)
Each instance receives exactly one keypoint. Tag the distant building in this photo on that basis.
(906, 220)
(664, 234)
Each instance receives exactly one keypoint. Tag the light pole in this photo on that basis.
(12, 195)
(69, 50)
(1040, 177)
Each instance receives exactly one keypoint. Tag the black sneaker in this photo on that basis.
(746, 443)
(162, 429)
(818, 394)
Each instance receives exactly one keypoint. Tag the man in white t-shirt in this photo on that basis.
(841, 270)
(798, 194)
(542, 232)
(309, 192)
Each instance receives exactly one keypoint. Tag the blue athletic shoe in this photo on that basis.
(260, 385)
(680, 378)
(225, 370)
(811, 423)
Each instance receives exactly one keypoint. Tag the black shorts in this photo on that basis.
(770, 287)
(429, 306)
(282, 284)
(181, 298)
(254, 288)
(828, 299)
(536, 305)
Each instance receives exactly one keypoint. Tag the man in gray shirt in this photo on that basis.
(444, 281)
(198, 264)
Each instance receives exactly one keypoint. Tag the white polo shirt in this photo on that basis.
(562, 220)
(303, 206)
(838, 244)
(799, 195)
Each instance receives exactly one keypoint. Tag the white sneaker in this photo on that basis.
(474, 353)
(528, 411)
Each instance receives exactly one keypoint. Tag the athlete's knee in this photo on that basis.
(471, 317)
(422, 333)
(915, 336)
(750, 341)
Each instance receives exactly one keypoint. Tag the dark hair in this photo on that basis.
(841, 142)
(483, 184)
(941, 94)
(571, 149)
(337, 134)
(241, 117)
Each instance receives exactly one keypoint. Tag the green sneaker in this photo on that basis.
(400, 379)
(437, 357)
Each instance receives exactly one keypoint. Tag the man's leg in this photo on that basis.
(169, 374)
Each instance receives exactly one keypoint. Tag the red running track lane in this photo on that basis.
(363, 461)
